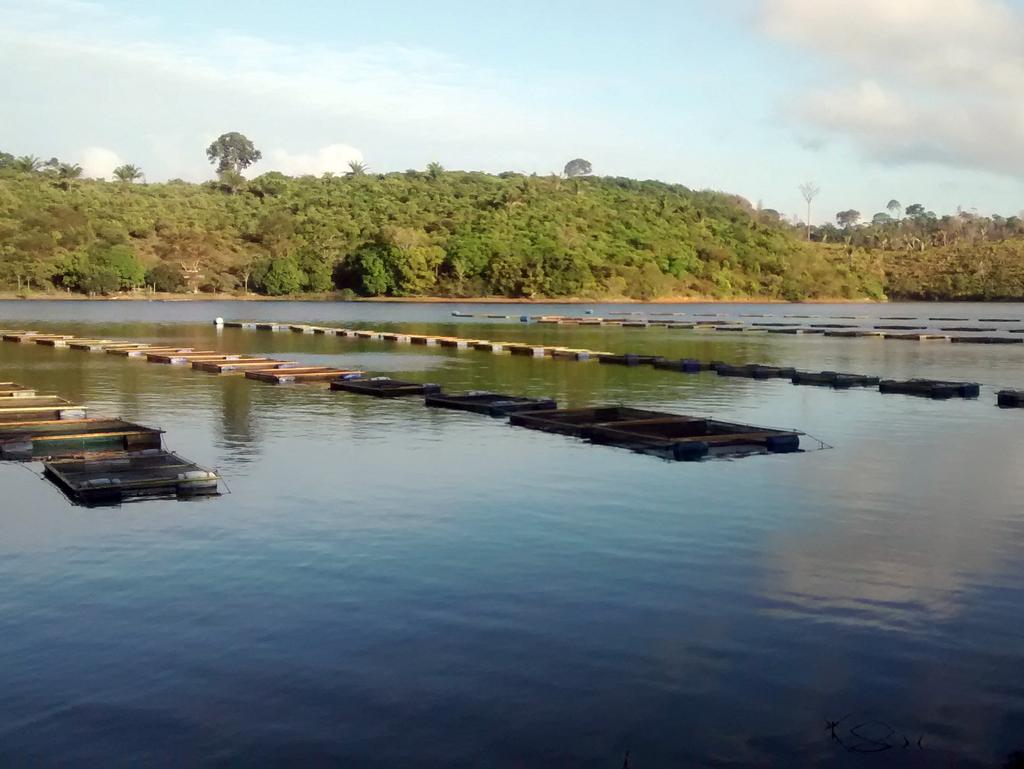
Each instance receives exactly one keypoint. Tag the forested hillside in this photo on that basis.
(926, 256)
(433, 232)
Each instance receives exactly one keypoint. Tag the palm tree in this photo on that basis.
(66, 173)
(128, 173)
(28, 164)
(69, 171)
(356, 168)
(434, 170)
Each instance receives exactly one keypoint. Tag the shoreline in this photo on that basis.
(159, 297)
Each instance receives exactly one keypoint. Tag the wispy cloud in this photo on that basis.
(912, 81)
(161, 99)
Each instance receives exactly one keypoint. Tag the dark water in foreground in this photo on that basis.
(389, 586)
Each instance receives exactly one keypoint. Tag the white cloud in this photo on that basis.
(915, 80)
(99, 162)
(334, 158)
(159, 101)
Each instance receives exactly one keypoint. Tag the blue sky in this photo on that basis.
(917, 100)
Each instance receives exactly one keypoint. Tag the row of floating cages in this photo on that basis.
(589, 316)
(94, 461)
(931, 388)
(837, 380)
(671, 436)
(279, 372)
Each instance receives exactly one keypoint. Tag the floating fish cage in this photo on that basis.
(134, 475)
(917, 337)
(492, 404)
(930, 388)
(241, 365)
(490, 346)
(577, 422)
(32, 336)
(535, 350)
(686, 365)
(457, 342)
(834, 379)
(385, 387)
(91, 345)
(628, 359)
(66, 341)
(185, 358)
(755, 371)
(985, 340)
(15, 390)
(571, 353)
(305, 374)
(73, 437)
(855, 334)
(1010, 398)
(672, 436)
(143, 350)
(33, 409)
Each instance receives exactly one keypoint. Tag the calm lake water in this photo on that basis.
(392, 586)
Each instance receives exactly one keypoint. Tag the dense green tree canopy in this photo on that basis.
(232, 152)
(453, 233)
(578, 167)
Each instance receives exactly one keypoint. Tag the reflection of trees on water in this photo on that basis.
(239, 433)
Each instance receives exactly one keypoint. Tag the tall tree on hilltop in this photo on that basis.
(127, 173)
(894, 207)
(233, 152)
(356, 168)
(578, 167)
(434, 170)
(809, 191)
(848, 218)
